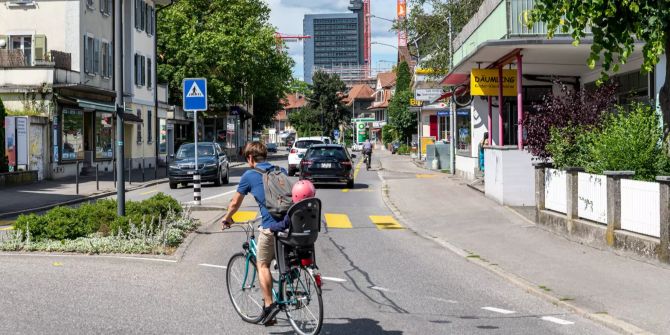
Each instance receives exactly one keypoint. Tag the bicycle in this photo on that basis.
(299, 285)
(367, 156)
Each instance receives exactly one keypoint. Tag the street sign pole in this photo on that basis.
(195, 99)
(120, 178)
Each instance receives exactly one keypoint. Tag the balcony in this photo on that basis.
(519, 11)
(17, 72)
(16, 59)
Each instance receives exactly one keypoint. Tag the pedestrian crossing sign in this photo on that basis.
(195, 94)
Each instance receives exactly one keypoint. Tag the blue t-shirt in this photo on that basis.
(252, 182)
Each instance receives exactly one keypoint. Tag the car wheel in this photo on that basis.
(173, 186)
(184, 184)
(350, 184)
(218, 182)
(226, 180)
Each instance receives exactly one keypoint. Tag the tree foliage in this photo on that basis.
(327, 92)
(403, 77)
(572, 108)
(306, 121)
(229, 42)
(3, 159)
(616, 25)
(400, 117)
(427, 25)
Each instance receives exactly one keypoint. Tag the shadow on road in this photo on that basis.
(352, 327)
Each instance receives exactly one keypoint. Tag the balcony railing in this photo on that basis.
(16, 58)
(518, 16)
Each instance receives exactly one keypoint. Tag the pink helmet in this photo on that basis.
(303, 189)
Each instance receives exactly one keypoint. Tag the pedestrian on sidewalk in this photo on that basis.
(482, 143)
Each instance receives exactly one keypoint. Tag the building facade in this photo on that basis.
(336, 43)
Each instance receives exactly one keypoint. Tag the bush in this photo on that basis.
(403, 149)
(65, 223)
(389, 134)
(629, 140)
(569, 146)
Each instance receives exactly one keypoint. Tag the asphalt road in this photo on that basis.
(381, 279)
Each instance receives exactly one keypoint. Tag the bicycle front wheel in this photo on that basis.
(244, 288)
(304, 306)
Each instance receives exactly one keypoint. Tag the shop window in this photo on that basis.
(103, 135)
(162, 140)
(73, 135)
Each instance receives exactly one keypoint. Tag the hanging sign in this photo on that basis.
(484, 82)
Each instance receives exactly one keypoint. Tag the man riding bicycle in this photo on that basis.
(252, 182)
(367, 152)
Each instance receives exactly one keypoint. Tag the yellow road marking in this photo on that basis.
(425, 176)
(6, 228)
(385, 222)
(358, 167)
(345, 190)
(149, 192)
(243, 216)
(57, 264)
(6, 225)
(337, 221)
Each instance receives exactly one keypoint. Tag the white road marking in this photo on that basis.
(213, 266)
(377, 288)
(338, 280)
(444, 300)
(88, 256)
(557, 320)
(219, 195)
(498, 310)
(145, 259)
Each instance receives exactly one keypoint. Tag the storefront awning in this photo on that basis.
(88, 104)
(129, 117)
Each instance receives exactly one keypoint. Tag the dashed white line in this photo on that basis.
(338, 280)
(377, 288)
(498, 310)
(213, 266)
(450, 301)
(219, 195)
(557, 320)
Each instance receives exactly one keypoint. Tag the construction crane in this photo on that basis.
(281, 38)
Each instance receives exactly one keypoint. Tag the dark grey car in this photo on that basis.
(328, 163)
(213, 165)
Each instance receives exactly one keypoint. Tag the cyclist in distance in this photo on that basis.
(367, 152)
(255, 154)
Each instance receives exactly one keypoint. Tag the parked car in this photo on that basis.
(328, 163)
(272, 147)
(325, 139)
(297, 152)
(213, 165)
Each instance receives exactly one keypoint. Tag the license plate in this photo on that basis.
(326, 165)
(190, 172)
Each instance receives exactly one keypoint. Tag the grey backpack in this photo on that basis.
(278, 189)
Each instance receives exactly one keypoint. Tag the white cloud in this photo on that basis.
(287, 17)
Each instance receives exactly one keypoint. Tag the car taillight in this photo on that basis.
(306, 261)
(346, 163)
(293, 151)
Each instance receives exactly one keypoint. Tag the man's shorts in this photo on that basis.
(265, 250)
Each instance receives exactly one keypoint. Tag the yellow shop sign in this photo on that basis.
(485, 82)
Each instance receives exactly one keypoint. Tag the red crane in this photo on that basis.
(281, 38)
(367, 33)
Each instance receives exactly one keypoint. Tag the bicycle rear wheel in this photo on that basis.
(304, 307)
(244, 288)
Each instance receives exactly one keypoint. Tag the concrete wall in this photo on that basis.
(466, 167)
(509, 177)
(493, 27)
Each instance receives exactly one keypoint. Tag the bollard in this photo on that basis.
(97, 181)
(196, 188)
(76, 178)
(142, 169)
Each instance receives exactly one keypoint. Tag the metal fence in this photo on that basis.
(518, 18)
(555, 187)
(592, 197)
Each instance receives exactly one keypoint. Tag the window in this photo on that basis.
(106, 7)
(150, 19)
(25, 44)
(89, 51)
(149, 132)
(143, 15)
(138, 12)
(107, 60)
(73, 135)
(89, 4)
(149, 73)
(140, 74)
(139, 127)
(103, 135)
(96, 56)
(142, 71)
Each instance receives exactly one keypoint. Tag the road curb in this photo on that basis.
(602, 319)
(93, 196)
(184, 246)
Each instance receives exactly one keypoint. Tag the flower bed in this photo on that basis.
(154, 226)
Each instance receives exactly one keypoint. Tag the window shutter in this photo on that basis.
(86, 69)
(149, 73)
(40, 47)
(149, 133)
(153, 21)
(143, 26)
(137, 14)
(102, 6)
(143, 70)
(110, 60)
(137, 78)
(147, 14)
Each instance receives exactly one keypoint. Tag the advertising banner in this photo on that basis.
(484, 82)
(21, 140)
(10, 141)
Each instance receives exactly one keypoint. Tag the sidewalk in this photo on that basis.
(625, 294)
(49, 193)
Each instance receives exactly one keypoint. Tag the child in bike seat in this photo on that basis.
(303, 189)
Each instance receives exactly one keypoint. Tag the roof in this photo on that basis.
(359, 92)
(294, 100)
(384, 104)
(387, 79)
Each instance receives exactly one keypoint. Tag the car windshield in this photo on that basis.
(306, 144)
(327, 152)
(204, 150)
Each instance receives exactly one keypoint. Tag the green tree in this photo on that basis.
(299, 86)
(3, 160)
(306, 121)
(427, 24)
(232, 44)
(326, 99)
(400, 117)
(616, 25)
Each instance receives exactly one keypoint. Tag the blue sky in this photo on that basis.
(287, 16)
